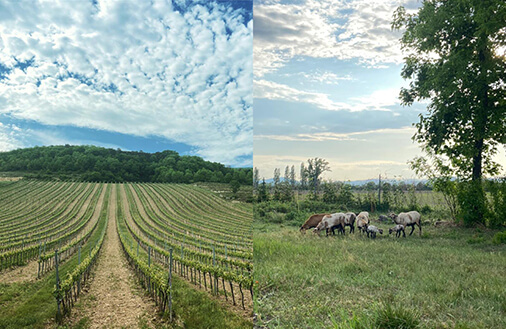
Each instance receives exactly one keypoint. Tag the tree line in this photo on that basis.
(98, 164)
(380, 196)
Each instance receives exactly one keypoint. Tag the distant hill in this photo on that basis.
(92, 163)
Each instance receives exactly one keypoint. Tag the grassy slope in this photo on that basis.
(446, 279)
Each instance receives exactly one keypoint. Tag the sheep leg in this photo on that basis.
(412, 229)
(403, 233)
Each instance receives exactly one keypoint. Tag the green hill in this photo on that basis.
(92, 163)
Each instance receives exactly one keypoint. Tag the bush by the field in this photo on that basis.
(499, 237)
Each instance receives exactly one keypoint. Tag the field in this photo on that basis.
(116, 245)
(449, 277)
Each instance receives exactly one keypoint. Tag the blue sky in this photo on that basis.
(326, 84)
(135, 75)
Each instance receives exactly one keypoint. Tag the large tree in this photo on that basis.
(456, 60)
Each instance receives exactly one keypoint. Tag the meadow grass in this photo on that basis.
(447, 278)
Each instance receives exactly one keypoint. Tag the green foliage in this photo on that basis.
(454, 60)
(345, 197)
(497, 190)
(472, 203)
(315, 168)
(263, 194)
(499, 237)
(235, 186)
(97, 164)
(329, 193)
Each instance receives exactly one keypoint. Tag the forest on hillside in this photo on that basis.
(98, 164)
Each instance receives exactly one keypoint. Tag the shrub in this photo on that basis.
(499, 237)
(425, 209)
(274, 217)
(290, 216)
(396, 317)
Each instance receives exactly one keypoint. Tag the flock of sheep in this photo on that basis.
(330, 222)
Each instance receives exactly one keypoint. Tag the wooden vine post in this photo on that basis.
(58, 315)
(170, 284)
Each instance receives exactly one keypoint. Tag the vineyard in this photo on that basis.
(52, 233)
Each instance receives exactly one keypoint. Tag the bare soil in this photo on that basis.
(113, 299)
(20, 274)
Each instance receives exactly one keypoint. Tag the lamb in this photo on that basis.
(411, 218)
(362, 221)
(349, 220)
(373, 230)
(311, 222)
(397, 229)
(330, 222)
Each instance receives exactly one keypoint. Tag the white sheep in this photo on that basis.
(373, 230)
(349, 220)
(330, 222)
(362, 221)
(397, 229)
(411, 218)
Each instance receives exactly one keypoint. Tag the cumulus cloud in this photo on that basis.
(134, 67)
(357, 29)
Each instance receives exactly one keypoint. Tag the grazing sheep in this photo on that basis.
(311, 222)
(411, 218)
(362, 221)
(349, 220)
(330, 222)
(373, 230)
(397, 229)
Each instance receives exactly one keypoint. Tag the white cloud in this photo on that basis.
(378, 100)
(9, 137)
(137, 67)
(332, 136)
(339, 29)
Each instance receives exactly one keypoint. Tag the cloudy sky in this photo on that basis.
(138, 75)
(326, 84)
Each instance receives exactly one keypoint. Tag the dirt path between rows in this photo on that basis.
(114, 299)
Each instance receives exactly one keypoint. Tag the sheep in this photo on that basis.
(311, 222)
(362, 221)
(411, 218)
(330, 222)
(373, 230)
(350, 221)
(397, 229)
